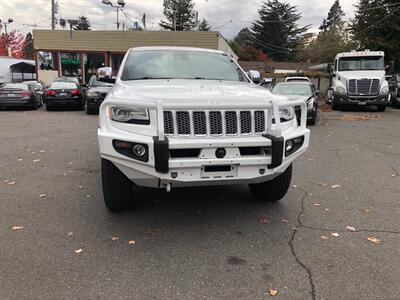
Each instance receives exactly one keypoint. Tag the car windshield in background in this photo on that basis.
(361, 63)
(292, 89)
(36, 85)
(59, 85)
(15, 86)
(178, 64)
(69, 79)
(94, 82)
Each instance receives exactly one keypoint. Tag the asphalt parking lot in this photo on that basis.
(335, 235)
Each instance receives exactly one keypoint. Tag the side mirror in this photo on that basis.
(255, 76)
(317, 92)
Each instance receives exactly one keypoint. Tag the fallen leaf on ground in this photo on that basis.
(43, 196)
(80, 187)
(11, 182)
(335, 186)
(78, 251)
(351, 228)
(367, 210)
(265, 221)
(285, 221)
(273, 292)
(36, 160)
(317, 204)
(335, 234)
(322, 184)
(88, 196)
(17, 227)
(294, 186)
(312, 158)
(42, 151)
(324, 237)
(132, 242)
(359, 117)
(374, 240)
(147, 231)
(71, 163)
(327, 209)
(70, 233)
(115, 238)
(19, 159)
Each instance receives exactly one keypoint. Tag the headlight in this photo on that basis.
(92, 94)
(130, 115)
(286, 113)
(385, 89)
(340, 89)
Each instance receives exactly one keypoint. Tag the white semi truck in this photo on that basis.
(359, 79)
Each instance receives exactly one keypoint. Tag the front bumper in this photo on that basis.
(344, 99)
(161, 169)
(94, 103)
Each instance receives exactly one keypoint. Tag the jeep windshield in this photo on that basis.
(361, 63)
(180, 64)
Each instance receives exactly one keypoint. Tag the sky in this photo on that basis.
(226, 16)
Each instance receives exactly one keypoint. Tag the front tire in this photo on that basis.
(274, 190)
(117, 188)
(381, 108)
(335, 106)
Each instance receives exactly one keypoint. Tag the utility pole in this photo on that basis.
(53, 15)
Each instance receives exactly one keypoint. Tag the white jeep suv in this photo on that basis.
(179, 117)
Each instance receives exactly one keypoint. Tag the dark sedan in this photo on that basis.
(18, 95)
(40, 89)
(64, 94)
(95, 95)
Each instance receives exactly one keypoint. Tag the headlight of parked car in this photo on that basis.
(130, 115)
(286, 113)
(385, 89)
(340, 89)
(92, 94)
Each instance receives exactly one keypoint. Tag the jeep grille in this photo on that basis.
(214, 123)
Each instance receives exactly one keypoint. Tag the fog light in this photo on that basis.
(122, 145)
(289, 145)
(139, 150)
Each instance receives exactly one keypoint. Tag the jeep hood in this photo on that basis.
(189, 91)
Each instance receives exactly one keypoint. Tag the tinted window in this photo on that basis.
(94, 82)
(63, 85)
(180, 64)
(19, 86)
(361, 63)
(292, 89)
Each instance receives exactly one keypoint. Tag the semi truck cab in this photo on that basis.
(359, 79)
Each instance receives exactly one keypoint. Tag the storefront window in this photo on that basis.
(70, 64)
(47, 60)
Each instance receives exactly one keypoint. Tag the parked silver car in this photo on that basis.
(300, 91)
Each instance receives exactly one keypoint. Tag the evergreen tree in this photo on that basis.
(82, 24)
(243, 38)
(332, 38)
(334, 18)
(376, 26)
(28, 46)
(180, 15)
(276, 32)
(204, 26)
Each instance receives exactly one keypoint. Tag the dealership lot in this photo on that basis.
(334, 236)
